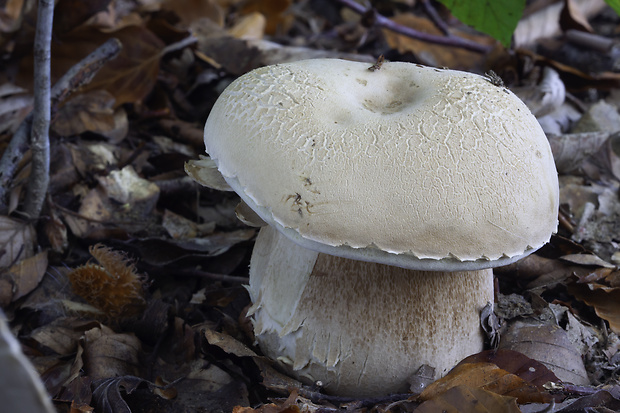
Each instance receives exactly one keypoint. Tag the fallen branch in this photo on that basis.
(39, 135)
(79, 75)
(384, 22)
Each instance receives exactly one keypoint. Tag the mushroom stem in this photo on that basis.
(352, 324)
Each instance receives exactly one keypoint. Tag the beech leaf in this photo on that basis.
(496, 18)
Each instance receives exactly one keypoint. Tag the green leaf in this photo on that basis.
(497, 18)
(614, 4)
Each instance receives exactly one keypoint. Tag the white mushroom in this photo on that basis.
(389, 195)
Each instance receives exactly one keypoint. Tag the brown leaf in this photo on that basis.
(189, 11)
(604, 299)
(68, 14)
(278, 21)
(572, 17)
(15, 104)
(129, 77)
(516, 363)
(228, 344)
(549, 344)
(26, 274)
(16, 241)
(108, 354)
(10, 15)
(94, 112)
(465, 399)
(486, 376)
(107, 393)
(587, 259)
(250, 26)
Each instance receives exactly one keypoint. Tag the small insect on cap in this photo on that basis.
(401, 164)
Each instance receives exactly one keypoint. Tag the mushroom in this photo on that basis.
(389, 192)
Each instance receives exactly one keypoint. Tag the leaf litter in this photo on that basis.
(128, 296)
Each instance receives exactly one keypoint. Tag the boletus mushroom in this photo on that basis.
(389, 192)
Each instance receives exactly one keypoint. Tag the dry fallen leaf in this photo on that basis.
(23, 277)
(69, 14)
(433, 54)
(109, 354)
(603, 298)
(277, 19)
(489, 377)
(549, 344)
(94, 112)
(228, 344)
(465, 399)
(16, 241)
(516, 363)
(129, 77)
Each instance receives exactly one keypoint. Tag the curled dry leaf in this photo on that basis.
(94, 112)
(545, 21)
(22, 278)
(228, 344)
(250, 26)
(127, 187)
(179, 227)
(61, 335)
(15, 104)
(545, 97)
(278, 18)
(110, 354)
(603, 297)
(571, 149)
(16, 241)
(107, 395)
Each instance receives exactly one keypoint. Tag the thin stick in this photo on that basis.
(39, 136)
(79, 75)
(383, 21)
(432, 13)
(84, 71)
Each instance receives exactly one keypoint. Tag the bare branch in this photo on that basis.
(79, 75)
(84, 71)
(383, 21)
(39, 136)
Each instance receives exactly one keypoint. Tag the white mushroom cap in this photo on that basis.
(406, 165)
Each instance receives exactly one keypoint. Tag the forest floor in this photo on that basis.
(127, 294)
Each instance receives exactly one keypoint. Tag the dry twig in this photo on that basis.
(79, 75)
(39, 135)
(383, 21)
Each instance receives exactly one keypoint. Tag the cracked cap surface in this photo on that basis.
(407, 165)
